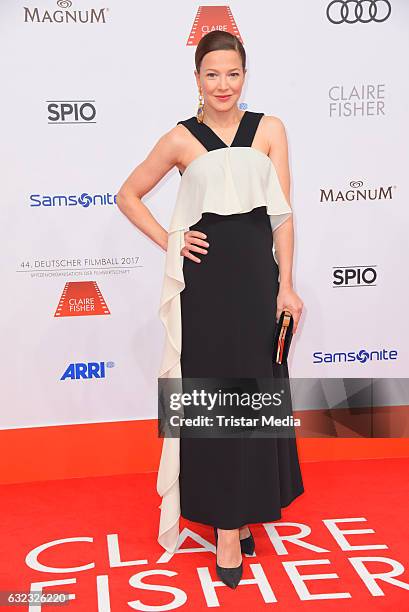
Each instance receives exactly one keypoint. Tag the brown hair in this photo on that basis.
(216, 41)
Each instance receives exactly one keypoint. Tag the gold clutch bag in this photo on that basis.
(283, 336)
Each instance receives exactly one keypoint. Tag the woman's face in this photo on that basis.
(221, 79)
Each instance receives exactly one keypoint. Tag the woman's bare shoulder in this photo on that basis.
(275, 131)
(273, 124)
(174, 141)
(168, 149)
(177, 135)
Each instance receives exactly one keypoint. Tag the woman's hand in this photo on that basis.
(287, 299)
(192, 239)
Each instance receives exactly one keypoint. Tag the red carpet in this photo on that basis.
(370, 494)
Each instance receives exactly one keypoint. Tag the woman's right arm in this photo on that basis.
(166, 153)
(161, 159)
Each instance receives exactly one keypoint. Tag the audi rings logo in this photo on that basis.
(364, 11)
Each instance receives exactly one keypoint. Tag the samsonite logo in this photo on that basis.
(87, 370)
(362, 356)
(63, 200)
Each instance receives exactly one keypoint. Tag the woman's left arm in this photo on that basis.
(287, 298)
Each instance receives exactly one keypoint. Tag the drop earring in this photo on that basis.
(200, 110)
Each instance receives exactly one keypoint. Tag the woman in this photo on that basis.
(220, 306)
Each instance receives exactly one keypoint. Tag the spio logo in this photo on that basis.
(364, 11)
(354, 276)
(85, 371)
(71, 111)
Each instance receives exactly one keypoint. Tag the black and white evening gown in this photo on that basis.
(220, 317)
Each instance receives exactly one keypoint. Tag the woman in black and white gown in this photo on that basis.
(232, 227)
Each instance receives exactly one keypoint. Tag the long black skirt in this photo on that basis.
(228, 309)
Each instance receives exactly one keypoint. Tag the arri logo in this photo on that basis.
(361, 356)
(81, 298)
(86, 371)
(65, 14)
(85, 200)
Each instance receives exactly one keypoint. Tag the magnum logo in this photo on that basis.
(64, 14)
(356, 192)
(209, 18)
(80, 299)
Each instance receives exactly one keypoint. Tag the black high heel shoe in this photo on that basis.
(229, 575)
(248, 545)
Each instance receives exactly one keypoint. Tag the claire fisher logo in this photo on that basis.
(209, 18)
(364, 11)
(363, 100)
(81, 298)
(356, 193)
(64, 14)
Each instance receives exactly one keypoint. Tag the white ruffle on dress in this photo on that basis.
(224, 181)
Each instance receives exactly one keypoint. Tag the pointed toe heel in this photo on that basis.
(248, 545)
(231, 576)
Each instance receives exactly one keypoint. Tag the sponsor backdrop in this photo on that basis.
(89, 87)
